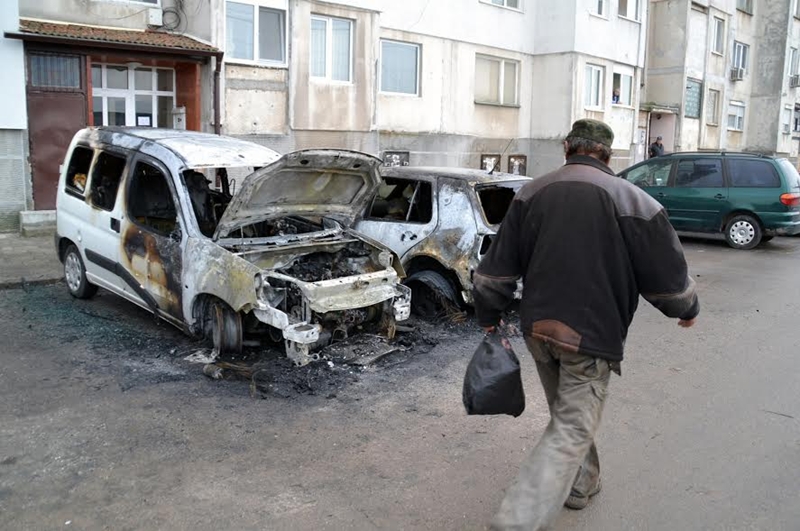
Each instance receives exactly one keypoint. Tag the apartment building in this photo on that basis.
(478, 83)
(99, 62)
(723, 74)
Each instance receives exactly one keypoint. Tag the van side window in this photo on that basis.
(654, 173)
(106, 176)
(150, 203)
(700, 173)
(78, 169)
(401, 200)
(753, 174)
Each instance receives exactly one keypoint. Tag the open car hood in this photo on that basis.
(334, 183)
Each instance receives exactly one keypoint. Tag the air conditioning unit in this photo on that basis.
(737, 74)
(794, 81)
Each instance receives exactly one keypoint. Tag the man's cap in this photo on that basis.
(593, 130)
(659, 138)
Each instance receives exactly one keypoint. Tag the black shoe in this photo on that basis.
(578, 501)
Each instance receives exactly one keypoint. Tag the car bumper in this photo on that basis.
(785, 225)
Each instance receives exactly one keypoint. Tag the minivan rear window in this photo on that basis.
(78, 169)
(745, 173)
(496, 200)
(790, 172)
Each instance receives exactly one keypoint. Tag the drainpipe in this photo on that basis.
(217, 111)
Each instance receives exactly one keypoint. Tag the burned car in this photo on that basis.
(440, 221)
(155, 216)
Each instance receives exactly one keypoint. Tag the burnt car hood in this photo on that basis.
(334, 183)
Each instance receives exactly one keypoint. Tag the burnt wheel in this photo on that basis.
(225, 328)
(432, 295)
(75, 275)
(743, 232)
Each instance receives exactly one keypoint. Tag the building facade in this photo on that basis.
(478, 83)
(104, 62)
(723, 75)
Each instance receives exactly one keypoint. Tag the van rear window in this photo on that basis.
(792, 177)
(753, 174)
(496, 200)
(78, 169)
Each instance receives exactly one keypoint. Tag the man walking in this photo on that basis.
(657, 148)
(586, 244)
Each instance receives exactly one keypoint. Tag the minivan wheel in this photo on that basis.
(75, 275)
(743, 232)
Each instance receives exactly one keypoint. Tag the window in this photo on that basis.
(255, 33)
(78, 169)
(55, 71)
(401, 200)
(600, 8)
(745, 5)
(629, 9)
(593, 86)
(797, 9)
(786, 122)
(736, 116)
(794, 57)
(495, 80)
(797, 117)
(719, 36)
(331, 48)
(741, 53)
(752, 174)
(623, 89)
(514, 4)
(106, 176)
(653, 174)
(400, 67)
(125, 96)
(699, 173)
(694, 90)
(496, 200)
(150, 203)
(712, 107)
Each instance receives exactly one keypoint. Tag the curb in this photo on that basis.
(22, 283)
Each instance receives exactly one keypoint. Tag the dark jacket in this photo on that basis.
(586, 244)
(656, 150)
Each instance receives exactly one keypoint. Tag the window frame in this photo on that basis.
(257, 61)
(501, 82)
(128, 183)
(714, 120)
(69, 182)
(746, 8)
(600, 9)
(82, 81)
(694, 160)
(327, 78)
(630, 95)
(794, 60)
(418, 183)
(699, 84)
(112, 152)
(719, 37)
(601, 82)
(504, 5)
(738, 105)
(731, 163)
(739, 58)
(786, 126)
(797, 9)
(129, 94)
(637, 14)
(418, 89)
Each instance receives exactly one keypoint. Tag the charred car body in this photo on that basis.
(440, 222)
(137, 215)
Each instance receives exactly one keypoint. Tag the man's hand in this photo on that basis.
(687, 323)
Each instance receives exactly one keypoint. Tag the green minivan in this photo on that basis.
(748, 197)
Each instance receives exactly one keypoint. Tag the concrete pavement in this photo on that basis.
(28, 260)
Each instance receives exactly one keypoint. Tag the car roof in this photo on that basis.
(469, 175)
(744, 154)
(197, 150)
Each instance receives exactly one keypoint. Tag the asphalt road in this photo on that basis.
(105, 426)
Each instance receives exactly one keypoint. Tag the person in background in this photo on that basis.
(586, 244)
(657, 148)
(615, 96)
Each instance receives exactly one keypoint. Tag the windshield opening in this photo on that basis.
(496, 199)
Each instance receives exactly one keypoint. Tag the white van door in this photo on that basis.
(152, 239)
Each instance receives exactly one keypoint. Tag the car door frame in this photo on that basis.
(698, 217)
(137, 237)
(401, 236)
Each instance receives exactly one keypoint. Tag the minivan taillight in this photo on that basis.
(790, 199)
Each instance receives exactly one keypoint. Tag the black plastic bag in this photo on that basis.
(493, 383)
